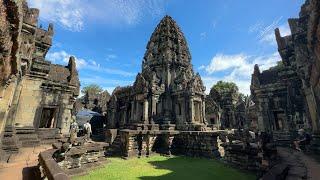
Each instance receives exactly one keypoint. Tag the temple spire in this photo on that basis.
(167, 44)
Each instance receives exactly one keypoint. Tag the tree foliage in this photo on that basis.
(94, 88)
(222, 86)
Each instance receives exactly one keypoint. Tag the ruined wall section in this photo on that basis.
(10, 26)
(301, 51)
(28, 82)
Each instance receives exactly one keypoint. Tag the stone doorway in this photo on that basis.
(48, 118)
(197, 111)
(279, 118)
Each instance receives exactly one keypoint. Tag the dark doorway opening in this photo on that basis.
(48, 119)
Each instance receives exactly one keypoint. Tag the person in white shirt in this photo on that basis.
(73, 130)
(87, 130)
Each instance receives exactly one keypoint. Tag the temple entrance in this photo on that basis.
(48, 119)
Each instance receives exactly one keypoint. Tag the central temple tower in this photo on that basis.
(167, 92)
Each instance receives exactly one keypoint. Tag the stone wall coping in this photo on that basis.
(50, 166)
(199, 132)
(134, 132)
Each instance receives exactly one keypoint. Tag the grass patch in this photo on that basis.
(160, 167)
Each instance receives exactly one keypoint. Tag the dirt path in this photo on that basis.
(22, 165)
(301, 165)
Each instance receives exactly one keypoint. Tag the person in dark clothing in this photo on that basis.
(302, 139)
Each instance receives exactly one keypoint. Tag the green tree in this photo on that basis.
(95, 88)
(222, 86)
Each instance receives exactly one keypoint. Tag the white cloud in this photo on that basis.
(265, 33)
(62, 57)
(237, 68)
(73, 15)
(67, 13)
(222, 62)
(270, 37)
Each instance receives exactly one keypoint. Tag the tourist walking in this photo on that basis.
(87, 130)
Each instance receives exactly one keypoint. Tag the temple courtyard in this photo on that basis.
(166, 113)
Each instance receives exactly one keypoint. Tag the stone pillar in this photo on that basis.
(261, 124)
(191, 108)
(153, 105)
(312, 105)
(132, 112)
(145, 111)
(204, 112)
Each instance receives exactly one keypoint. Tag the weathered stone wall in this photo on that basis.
(56, 164)
(136, 144)
(49, 168)
(10, 26)
(30, 100)
(192, 143)
(132, 143)
(300, 50)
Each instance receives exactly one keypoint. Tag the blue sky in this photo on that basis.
(108, 37)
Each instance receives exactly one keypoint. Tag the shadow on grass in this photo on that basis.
(196, 168)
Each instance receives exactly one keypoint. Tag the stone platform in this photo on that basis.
(135, 143)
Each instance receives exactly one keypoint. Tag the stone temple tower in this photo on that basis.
(167, 92)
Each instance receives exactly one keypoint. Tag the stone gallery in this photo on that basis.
(166, 110)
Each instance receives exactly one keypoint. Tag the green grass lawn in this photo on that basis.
(160, 167)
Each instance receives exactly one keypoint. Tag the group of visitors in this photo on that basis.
(74, 130)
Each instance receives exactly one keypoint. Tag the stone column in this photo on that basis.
(261, 124)
(135, 111)
(145, 111)
(132, 112)
(153, 105)
(204, 112)
(191, 108)
(312, 105)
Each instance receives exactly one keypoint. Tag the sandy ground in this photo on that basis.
(22, 165)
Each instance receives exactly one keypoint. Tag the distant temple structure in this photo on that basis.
(36, 96)
(167, 94)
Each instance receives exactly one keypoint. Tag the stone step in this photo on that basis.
(25, 131)
(31, 143)
(26, 137)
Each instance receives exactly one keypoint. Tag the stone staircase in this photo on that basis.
(48, 135)
(10, 142)
(115, 148)
(282, 138)
(27, 136)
